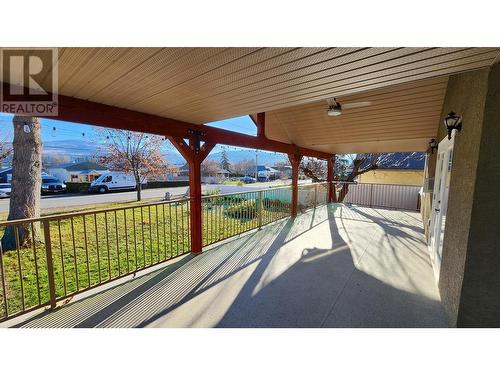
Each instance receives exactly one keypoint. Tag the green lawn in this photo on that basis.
(92, 249)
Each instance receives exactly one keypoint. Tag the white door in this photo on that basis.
(440, 201)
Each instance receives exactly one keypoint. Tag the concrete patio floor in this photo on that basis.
(335, 266)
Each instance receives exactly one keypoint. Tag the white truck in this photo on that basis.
(114, 181)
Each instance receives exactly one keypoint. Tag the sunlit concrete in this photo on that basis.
(335, 266)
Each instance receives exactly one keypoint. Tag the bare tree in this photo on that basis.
(26, 182)
(135, 153)
(5, 150)
(244, 167)
(348, 167)
(283, 163)
(313, 168)
(5, 144)
(210, 168)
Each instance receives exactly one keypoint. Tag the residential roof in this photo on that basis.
(403, 160)
(85, 165)
(90, 171)
(261, 168)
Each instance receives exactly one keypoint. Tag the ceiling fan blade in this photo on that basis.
(355, 105)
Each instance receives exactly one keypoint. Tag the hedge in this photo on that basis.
(245, 210)
(162, 184)
(77, 187)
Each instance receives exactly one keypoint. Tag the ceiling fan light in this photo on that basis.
(334, 111)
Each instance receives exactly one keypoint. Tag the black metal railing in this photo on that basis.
(48, 259)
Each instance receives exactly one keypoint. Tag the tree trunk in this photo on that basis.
(139, 186)
(350, 179)
(343, 192)
(26, 182)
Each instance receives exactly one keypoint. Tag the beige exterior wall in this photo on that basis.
(395, 177)
(469, 281)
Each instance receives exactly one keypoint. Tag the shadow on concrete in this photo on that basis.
(266, 278)
(325, 289)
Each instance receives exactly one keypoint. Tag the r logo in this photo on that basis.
(29, 78)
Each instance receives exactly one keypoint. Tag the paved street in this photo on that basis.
(67, 200)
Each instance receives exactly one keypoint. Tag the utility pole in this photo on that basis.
(256, 166)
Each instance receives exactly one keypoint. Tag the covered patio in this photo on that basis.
(333, 266)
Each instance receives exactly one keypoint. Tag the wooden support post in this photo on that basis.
(295, 162)
(259, 209)
(329, 179)
(194, 155)
(261, 124)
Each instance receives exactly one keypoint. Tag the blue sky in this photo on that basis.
(69, 131)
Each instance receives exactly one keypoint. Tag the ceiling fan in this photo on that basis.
(335, 108)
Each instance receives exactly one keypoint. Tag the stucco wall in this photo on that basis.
(466, 94)
(480, 298)
(396, 177)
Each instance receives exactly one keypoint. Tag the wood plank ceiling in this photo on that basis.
(399, 118)
(200, 85)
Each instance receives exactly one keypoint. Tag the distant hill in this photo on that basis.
(71, 147)
(86, 148)
(263, 157)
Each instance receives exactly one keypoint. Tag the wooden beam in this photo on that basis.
(87, 112)
(261, 124)
(194, 159)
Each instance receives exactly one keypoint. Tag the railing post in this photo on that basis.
(295, 162)
(50, 264)
(371, 195)
(259, 208)
(315, 195)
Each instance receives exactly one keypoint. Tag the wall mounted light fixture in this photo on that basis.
(433, 145)
(453, 122)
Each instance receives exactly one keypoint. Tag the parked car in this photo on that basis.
(51, 184)
(248, 179)
(113, 181)
(263, 179)
(5, 190)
